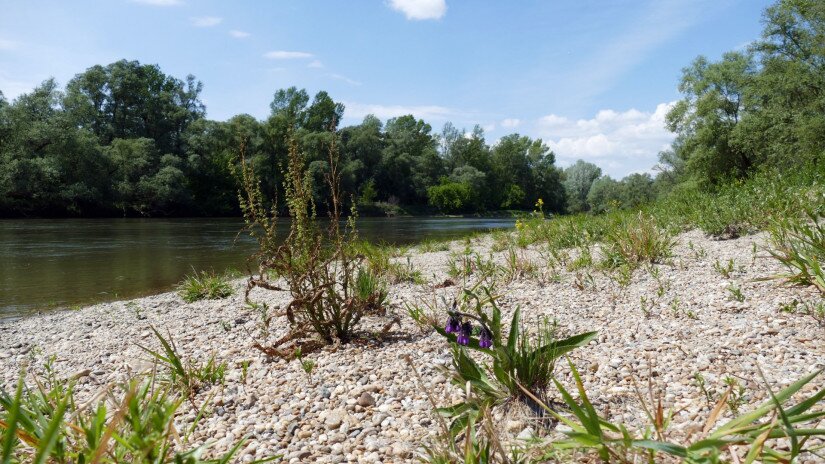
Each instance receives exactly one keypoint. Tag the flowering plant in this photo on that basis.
(519, 362)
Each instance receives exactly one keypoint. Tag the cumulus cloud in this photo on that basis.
(206, 21)
(239, 34)
(623, 142)
(420, 9)
(510, 123)
(159, 2)
(286, 55)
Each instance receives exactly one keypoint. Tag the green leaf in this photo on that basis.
(512, 339)
(10, 437)
(49, 439)
(663, 446)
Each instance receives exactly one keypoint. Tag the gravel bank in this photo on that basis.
(362, 404)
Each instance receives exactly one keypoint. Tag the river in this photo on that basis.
(47, 264)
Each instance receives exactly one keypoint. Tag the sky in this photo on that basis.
(592, 78)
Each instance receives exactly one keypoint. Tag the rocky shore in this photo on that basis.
(362, 402)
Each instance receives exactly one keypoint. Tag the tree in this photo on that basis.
(637, 189)
(606, 194)
(578, 179)
(450, 197)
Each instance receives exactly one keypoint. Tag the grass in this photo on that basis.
(186, 375)
(47, 424)
(205, 285)
(637, 240)
(799, 244)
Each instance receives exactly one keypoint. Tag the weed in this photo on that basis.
(186, 375)
(725, 270)
(800, 246)
(736, 292)
(48, 424)
(647, 305)
(637, 240)
(244, 369)
(204, 285)
(521, 362)
(320, 269)
(433, 246)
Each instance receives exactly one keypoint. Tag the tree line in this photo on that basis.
(126, 139)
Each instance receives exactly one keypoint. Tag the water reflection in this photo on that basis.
(49, 263)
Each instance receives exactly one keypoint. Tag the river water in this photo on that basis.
(46, 264)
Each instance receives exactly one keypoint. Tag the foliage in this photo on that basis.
(450, 197)
(329, 288)
(185, 375)
(520, 363)
(204, 285)
(578, 179)
(47, 424)
(637, 240)
(799, 244)
(764, 432)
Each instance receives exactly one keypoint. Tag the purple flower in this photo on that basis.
(464, 335)
(485, 339)
(453, 324)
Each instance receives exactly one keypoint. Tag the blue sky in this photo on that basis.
(591, 78)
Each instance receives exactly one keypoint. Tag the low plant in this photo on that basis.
(799, 244)
(636, 241)
(736, 292)
(47, 424)
(776, 431)
(433, 246)
(520, 362)
(725, 270)
(187, 376)
(204, 285)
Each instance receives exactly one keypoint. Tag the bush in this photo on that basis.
(450, 197)
(204, 285)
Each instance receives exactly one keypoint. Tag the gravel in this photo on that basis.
(361, 402)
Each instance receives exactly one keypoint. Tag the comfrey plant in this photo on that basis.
(520, 362)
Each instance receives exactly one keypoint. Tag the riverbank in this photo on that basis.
(361, 404)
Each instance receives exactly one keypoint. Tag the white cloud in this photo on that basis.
(239, 34)
(159, 2)
(345, 79)
(315, 64)
(623, 142)
(425, 112)
(420, 9)
(286, 55)
(510, 123)
(205, 21)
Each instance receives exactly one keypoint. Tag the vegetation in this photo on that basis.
(47, 424)
(330, 286)
(204, 286)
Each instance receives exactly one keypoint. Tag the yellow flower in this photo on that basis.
(519, 224)
(540, 203)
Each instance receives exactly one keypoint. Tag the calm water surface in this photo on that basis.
(57, 263)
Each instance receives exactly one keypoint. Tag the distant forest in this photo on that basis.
(126, 139)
